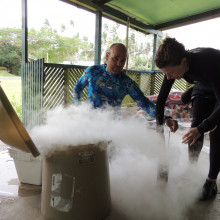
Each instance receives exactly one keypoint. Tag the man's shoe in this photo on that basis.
(209, 190)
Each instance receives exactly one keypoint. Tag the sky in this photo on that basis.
(202, 34)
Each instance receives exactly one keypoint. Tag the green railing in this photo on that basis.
(46, 86)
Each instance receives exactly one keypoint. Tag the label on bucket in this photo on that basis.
(56, 182)
(57, 201)
(86, 157)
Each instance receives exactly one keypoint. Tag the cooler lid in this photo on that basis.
(12, 131)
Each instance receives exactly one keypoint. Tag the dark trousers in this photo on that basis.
(202, 108)
(214, 167)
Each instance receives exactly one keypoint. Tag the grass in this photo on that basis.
(4, 73)
(11, 85)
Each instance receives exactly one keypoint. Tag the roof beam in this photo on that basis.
(101, 2)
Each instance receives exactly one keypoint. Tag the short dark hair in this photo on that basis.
(169, 53)
(118, 44)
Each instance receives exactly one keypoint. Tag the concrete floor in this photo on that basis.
(19, 201)
(22, 201)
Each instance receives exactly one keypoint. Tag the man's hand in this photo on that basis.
(172, 124)
(191, 136)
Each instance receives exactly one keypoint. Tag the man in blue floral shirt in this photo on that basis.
(109, 84)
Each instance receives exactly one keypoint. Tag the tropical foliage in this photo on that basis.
(57, 48)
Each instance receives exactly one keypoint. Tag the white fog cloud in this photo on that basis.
(134, 151)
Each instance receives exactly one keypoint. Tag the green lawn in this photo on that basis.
(11, 85)
(4, 73)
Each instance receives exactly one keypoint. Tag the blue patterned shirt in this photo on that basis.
(105, 88)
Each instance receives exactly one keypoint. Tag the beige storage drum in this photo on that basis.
(75, 183)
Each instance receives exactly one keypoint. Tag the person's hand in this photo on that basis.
(191, 136)
(172, 124)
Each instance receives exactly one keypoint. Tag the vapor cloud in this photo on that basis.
(134, 151)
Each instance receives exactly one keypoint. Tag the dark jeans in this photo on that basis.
(214, 167)
(202, 108)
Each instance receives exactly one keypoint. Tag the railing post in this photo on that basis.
(66, 86)
(154, 50)
(152, 87)
(98, 36)
(152, 84)
(24, 32)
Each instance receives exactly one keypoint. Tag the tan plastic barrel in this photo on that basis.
(75, 184)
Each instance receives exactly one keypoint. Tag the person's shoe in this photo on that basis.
(209, 190)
